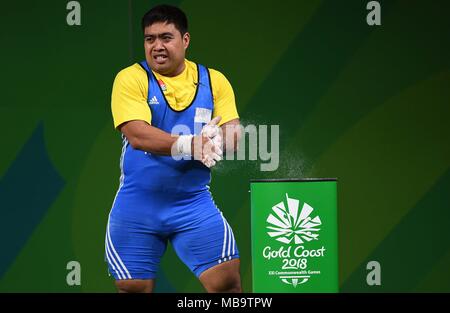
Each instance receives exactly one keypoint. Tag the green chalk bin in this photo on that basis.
(294, 235)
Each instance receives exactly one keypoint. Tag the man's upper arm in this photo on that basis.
(224, 101)
(128, 99)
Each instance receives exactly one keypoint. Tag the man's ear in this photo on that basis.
(186, 40)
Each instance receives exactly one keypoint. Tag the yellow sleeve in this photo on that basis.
(129, 96)
(224, 102)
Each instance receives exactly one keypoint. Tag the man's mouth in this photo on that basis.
(160, 58)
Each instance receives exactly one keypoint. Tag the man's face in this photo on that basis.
(165, 48)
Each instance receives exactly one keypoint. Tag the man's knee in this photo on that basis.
(222, 278)
(134, 286)
(229, 283)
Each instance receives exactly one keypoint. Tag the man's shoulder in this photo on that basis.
(215, 74)
(217, 77)
(134, 71)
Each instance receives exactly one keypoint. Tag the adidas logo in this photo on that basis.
(153, 100)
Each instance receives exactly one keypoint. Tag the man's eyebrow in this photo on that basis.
(159, 35)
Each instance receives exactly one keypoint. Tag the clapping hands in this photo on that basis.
(207, 146)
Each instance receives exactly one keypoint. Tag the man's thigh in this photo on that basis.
(132, 251)
(206, 243)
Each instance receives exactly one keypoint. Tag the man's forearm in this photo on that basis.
(231, 134)
(147, 138)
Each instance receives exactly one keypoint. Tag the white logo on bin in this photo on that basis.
(288, 225)
(291, 226)
(294, 280)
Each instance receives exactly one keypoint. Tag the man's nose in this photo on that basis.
(158, 45)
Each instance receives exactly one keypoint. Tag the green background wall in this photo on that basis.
(368, 105)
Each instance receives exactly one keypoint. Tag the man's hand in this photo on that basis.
(207, 147)
(206, 151)
(211, 129)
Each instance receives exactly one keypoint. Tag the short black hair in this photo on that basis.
(168, 14)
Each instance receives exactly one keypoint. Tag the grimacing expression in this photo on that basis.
(165, 48)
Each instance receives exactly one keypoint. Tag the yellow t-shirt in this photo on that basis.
(130, 90)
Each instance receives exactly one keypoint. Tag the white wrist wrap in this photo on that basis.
(184, 144)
